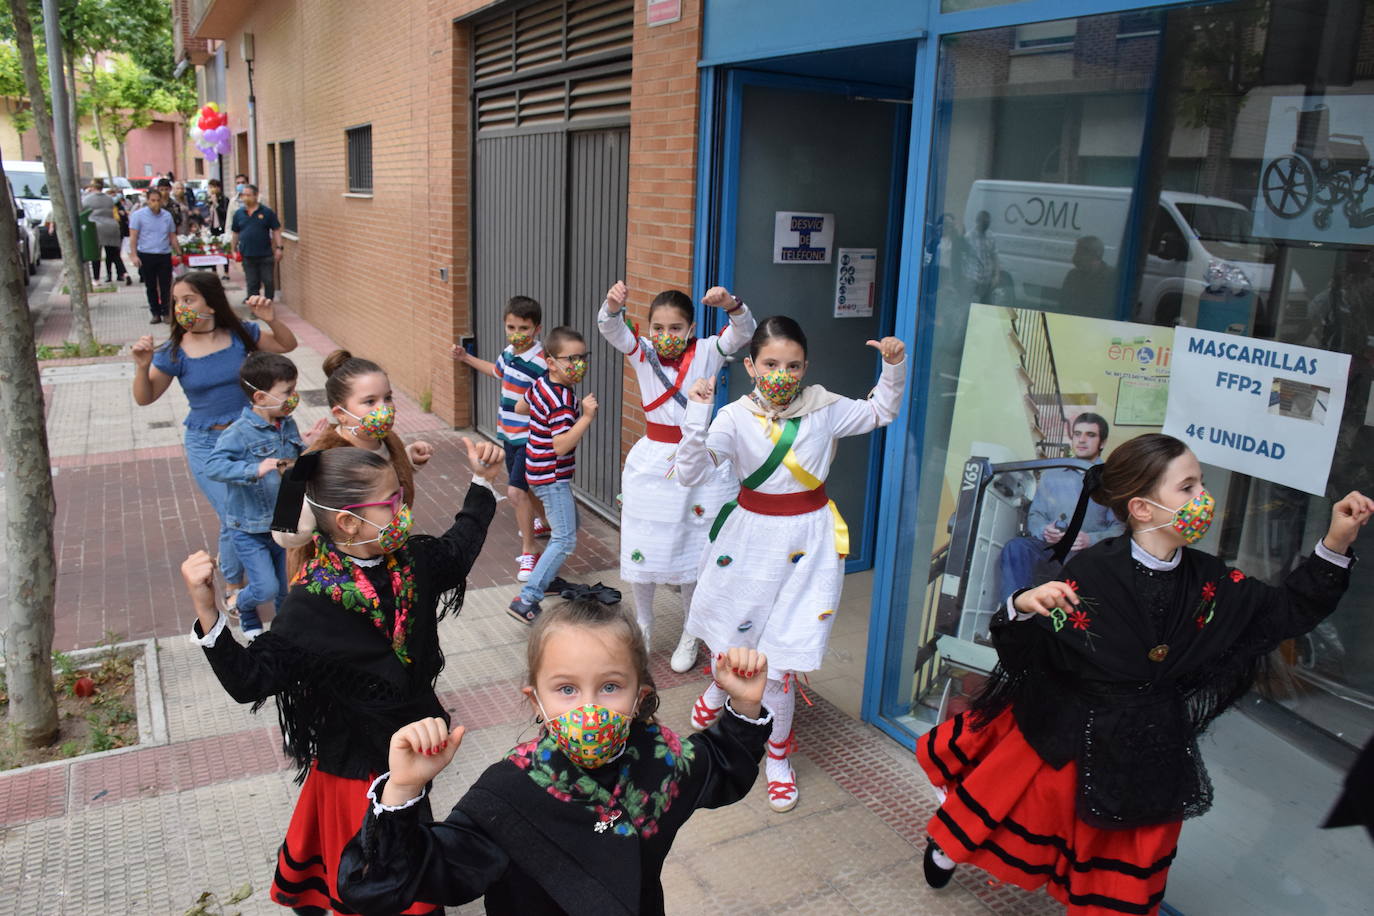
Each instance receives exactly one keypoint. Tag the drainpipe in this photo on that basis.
(252, 110)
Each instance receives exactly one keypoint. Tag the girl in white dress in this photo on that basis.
(663, 526)
(771, 577)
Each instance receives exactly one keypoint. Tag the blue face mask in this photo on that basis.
(238, 188)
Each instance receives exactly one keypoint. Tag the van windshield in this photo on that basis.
(1225, 232)
(29, 184)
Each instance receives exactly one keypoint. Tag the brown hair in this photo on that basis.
(340, 369)
(526, 309)
(553, 343)
(345, 476)
(1134, 470)
(212, 291)
(588, 612)
(673, 299)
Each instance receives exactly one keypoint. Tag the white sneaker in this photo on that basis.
(251, 635)
(526, 561)
(685, 655)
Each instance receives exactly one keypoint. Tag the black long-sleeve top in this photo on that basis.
(341, 691)
(527, 834)
(1125, 682)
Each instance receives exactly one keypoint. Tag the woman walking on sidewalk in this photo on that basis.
(207, 346)
(354, 653)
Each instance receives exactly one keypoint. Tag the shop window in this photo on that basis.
(286, 150)
(359, 159)
(1151, 175)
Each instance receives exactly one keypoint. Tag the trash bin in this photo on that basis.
(90, 242)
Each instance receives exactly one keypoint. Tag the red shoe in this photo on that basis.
(703, 716)
(541, 529)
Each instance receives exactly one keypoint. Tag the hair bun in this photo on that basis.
(333, 361)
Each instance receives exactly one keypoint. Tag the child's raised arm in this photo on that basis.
(419, 752)
(1347, 518)
(463, 357)
(743, 673)
(610, 320)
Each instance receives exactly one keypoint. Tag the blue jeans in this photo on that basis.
(265, 564)
(199, 444)
(1025, 562)
(560, 511)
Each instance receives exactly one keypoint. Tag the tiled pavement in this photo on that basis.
(146, 830)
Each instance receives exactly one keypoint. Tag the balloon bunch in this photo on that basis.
(211, 132)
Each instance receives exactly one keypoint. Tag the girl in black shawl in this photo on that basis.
(1079, 761)
(354, 652)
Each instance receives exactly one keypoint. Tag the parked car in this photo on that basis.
(27, 240)
(30, 185)
(142, 184)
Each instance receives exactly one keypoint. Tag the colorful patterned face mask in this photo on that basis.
(519, 339)
(576, 369)
(291, 403)
(376, 423)
(778, 387)
(391, 537)
(187, 316)
(591, 735)
(668, 346)
(1192, 519)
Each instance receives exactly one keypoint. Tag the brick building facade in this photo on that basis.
(389, 273)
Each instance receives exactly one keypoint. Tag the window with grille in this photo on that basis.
(287, 151)
(360, 159)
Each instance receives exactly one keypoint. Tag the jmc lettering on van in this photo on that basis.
(1037, 211)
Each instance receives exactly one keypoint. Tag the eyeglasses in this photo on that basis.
(573, 357)
(392, 502)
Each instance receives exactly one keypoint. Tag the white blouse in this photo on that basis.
(710, 356)
(738, 435)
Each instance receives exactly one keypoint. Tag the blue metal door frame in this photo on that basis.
(716, 213)
(898, 487)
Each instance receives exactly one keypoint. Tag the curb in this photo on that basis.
(150, 706)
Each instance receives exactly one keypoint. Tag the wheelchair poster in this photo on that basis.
(1316, 176)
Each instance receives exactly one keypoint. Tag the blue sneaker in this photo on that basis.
(523, 612)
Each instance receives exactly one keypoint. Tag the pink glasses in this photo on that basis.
(393, 502)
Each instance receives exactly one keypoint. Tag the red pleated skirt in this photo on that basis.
(328, 813)
(1011, 814)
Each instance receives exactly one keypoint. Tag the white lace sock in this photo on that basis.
(644, 606)
(781, 703)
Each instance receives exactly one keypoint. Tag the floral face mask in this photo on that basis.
(778, 387)
(575, 368)
(519, 339)
(376, 423)
(590, 736)
(668, 346)
(187, 316)
(392, 536)
(292, 401)
(1192, 519)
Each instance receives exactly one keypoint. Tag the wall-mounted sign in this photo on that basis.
(803, 238)
(1267, 409)
(856, 282)
(662, 12)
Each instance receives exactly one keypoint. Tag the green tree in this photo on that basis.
(122, 98)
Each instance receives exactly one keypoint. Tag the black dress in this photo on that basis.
(536, 834)
(342, 691)
(1079, 761)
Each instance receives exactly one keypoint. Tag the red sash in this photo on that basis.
(783, 503)
(663, 432)
(677, 383)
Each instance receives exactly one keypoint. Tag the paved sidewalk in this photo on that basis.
(146, 830)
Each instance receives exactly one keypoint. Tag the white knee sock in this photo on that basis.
(644, 606)
(687, 589)
(781, 703)
(714, 696)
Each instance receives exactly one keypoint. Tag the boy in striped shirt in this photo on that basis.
(555, 429)
(520, 363)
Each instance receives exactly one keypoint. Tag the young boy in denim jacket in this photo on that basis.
(250, 456)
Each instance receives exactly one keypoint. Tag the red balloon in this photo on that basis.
(207, 110)
(221, 119)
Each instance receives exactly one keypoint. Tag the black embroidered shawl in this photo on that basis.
(1126, 696)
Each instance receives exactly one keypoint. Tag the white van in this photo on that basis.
(30, 185)
(1196, 241)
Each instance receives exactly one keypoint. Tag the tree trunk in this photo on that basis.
(100, 141)
(64, 219)
(29, 506)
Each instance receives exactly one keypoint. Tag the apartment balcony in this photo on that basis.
(218, 18)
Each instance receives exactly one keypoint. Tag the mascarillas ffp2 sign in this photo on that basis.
(1267, 409)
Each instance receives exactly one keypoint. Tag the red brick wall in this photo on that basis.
(366, 271)
(664, 98)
